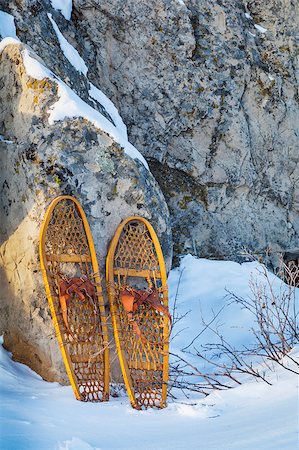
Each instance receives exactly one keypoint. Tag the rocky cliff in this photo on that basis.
(208, 90)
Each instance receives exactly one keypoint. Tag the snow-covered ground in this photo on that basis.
(37, 415)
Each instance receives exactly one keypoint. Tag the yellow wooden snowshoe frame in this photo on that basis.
(135, 256)
(88, 372)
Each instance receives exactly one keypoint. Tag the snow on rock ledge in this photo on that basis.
(40, 160)
(71, 105)
(63, 6)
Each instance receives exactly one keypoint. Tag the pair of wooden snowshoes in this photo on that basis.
(137, 291)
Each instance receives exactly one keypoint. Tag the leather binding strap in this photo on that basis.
(70, 286)
(133, 298)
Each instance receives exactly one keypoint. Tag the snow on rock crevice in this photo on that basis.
(260, 28)
(64, 7)
(68, 50)
(109, 106)
(76, 107)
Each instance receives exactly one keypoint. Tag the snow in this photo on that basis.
(201, 289)
(63, 6)
(71, 105)
(38, 415)
(7, 25)
(2, 139)
(7, 41)
(68, 50)
(207, 295)
(34, 68)
(257, 26)
(260, 28)
(98, 95)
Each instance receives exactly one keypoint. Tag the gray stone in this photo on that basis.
(204, 92)
(40, 162)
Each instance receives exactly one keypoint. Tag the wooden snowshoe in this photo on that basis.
(73, 286)
(138, 295)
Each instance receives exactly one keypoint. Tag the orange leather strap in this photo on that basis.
(71, 286)
(133, 298)
(153, 300)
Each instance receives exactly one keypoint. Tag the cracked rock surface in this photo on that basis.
(208, 92)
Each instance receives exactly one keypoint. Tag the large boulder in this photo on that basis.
(39, 161)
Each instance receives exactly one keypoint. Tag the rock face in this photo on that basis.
(208, 92)
(40, 161)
